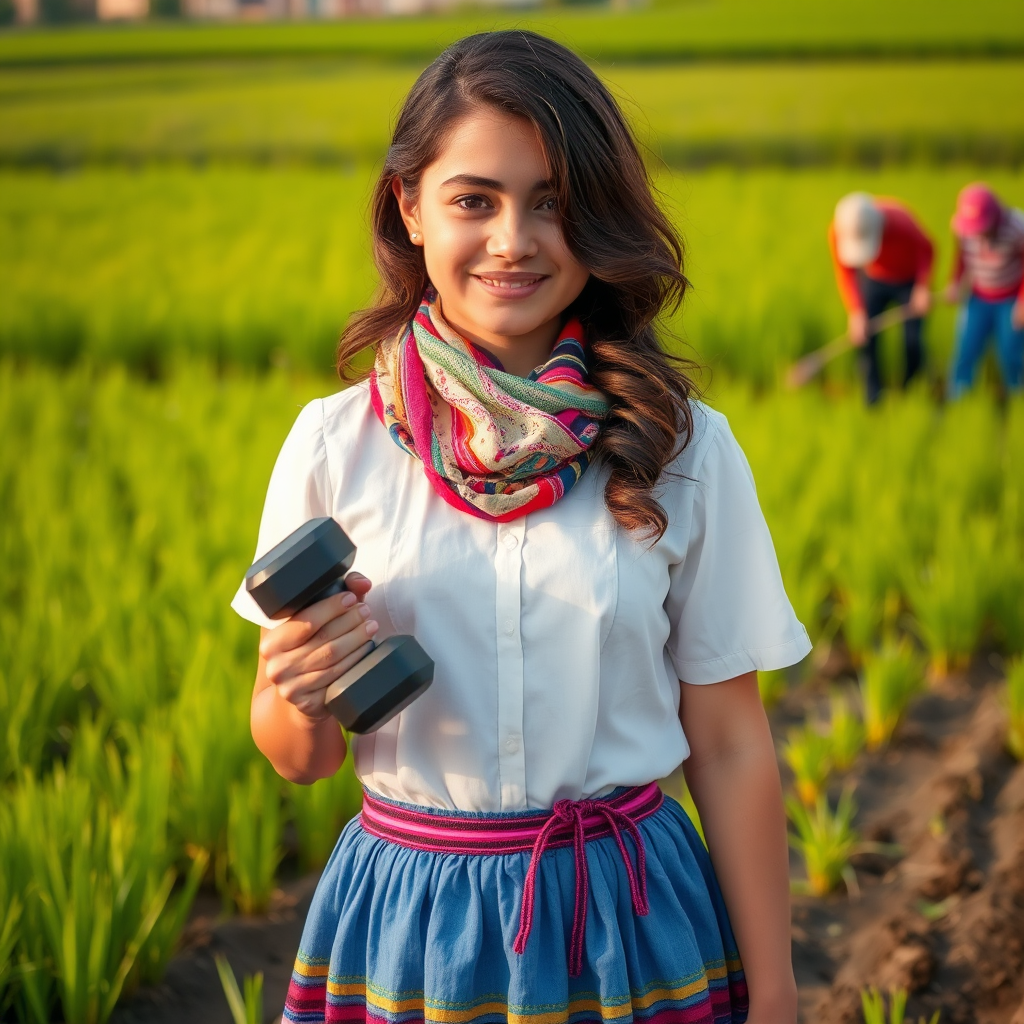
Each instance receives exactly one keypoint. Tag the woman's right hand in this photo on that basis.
(317, 645)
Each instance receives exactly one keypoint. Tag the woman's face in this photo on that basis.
(492, 238)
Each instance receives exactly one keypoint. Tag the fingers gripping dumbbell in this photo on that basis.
(309, 565)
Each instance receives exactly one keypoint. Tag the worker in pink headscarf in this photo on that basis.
(882, 257)
(988, 281)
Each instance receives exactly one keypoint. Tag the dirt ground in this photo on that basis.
(942, 914)
(940, 909)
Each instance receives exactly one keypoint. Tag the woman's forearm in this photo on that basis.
(739, 798)
(300, 748)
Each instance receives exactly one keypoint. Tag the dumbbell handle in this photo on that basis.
(337, 587)
(332, 588)
(354, 698)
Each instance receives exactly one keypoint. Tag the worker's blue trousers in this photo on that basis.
(978, 320)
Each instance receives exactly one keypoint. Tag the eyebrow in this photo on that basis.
(474, 181)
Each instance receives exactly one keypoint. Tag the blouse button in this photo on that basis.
(512, 744)
(510, 627)
(511, 540)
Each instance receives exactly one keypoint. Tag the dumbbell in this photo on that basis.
(309, 565)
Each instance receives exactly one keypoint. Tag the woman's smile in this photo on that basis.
(509, 285)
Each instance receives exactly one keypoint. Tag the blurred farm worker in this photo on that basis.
(575, 539)
(988, 279)
(882, 257)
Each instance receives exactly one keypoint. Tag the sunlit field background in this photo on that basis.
(182, 236)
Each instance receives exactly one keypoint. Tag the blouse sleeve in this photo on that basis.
(299, 490)
(727, 606)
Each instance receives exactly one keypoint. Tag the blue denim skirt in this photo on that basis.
(468, 918)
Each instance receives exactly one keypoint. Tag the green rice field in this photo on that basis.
(338, 112)
(689, 29)
(253, 267)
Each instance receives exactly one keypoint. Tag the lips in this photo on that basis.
(509, 285)
(510, 282)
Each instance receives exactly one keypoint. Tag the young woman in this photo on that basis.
(578, 546)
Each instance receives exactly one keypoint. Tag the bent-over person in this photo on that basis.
(882, 257)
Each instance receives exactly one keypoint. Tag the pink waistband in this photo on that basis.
(568, 823)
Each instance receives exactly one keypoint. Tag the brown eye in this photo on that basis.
(549, 205)
(471, 202)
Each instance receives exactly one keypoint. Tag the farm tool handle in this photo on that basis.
(813, 363)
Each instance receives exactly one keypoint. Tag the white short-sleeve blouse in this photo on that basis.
(558, 639)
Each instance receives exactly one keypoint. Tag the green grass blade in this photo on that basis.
(231, 991)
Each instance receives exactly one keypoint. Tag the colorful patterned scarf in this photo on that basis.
(492, 444)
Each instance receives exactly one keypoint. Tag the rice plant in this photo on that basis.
(845, 734)
(873, 1003)
(10, 907)
(809, 755)
(211, 725)
(10, 918)
(26, 978)
(869, 548)
(771, 686)
(254, 838)
(247, 1008)
(1008, 608)
(133, 773)
(953, 592)
(101, 883)
(825, 840)
(1008, 586)
(32, 991)
(890, 678)
(164, 939)
(321, 810)
(91, 856)
(1014, 697)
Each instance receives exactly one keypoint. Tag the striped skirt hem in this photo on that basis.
(709, 996)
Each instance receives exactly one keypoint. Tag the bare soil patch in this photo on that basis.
(942, 912)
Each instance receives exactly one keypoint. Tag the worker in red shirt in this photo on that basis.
(882, 257)
(989, 268)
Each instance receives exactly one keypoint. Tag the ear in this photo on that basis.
(409, 211)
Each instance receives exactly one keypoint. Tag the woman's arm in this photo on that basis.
(297, 662)
(734, 779)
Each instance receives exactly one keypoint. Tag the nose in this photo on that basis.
(512, 237)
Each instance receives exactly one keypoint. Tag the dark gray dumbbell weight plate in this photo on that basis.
(299, 570)
(387, 680)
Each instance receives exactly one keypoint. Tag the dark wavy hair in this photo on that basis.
(611, 224)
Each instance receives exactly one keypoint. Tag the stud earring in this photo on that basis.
(414, 235)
